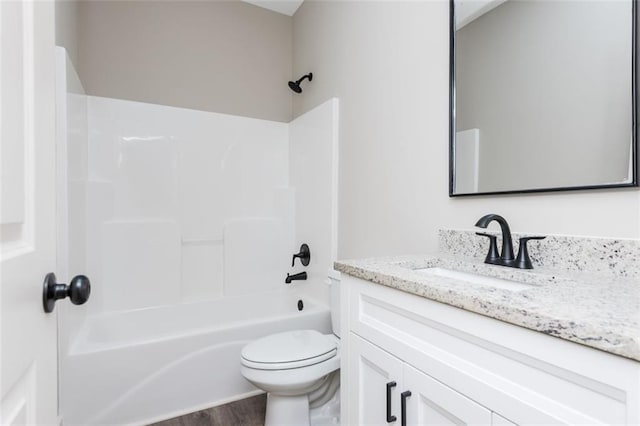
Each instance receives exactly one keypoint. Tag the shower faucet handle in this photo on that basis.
(304, 255)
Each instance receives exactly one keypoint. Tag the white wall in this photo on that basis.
(388, 63)
(71, 185)
(186, 206)
(313, 176)
(221, 56)
(182, 204)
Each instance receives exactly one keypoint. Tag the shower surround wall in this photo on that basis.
(182, 201)
(187, 205)
(71, 187)
(313, 174)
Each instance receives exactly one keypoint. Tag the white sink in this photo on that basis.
(474, 279)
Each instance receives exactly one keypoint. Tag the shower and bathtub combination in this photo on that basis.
(186, 222)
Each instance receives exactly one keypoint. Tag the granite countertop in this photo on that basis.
(602, 312)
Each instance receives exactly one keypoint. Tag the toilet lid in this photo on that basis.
(291, 349)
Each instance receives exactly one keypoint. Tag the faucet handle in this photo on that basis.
(493, 256)
(523, 261)
(304, 255)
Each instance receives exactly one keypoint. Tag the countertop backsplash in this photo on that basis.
(615, 258)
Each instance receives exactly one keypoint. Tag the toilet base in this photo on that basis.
(287, 410)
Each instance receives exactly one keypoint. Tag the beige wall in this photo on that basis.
(67, 27)
(221, 56)
(388, 64)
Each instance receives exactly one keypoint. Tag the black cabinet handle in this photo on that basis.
(390, 418)
(403, 407)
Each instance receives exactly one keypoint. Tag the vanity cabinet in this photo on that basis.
(465, 368)
(378, 376)
(375, 375)
(433, 403)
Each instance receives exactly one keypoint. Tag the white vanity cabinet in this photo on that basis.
(433, 403)
(464, 368)
(378, 375)
(373, 373)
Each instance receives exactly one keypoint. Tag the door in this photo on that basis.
(433, 403)
(376, 376)
(28, 381)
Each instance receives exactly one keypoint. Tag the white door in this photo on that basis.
(28, 381)
(433, 403)
(375, 377)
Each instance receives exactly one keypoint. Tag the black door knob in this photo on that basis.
(78, 291)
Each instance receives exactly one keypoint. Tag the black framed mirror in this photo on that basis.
(542, 96)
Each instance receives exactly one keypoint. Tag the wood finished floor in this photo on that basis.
(246, 412)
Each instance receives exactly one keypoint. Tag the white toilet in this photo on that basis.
(298, 369)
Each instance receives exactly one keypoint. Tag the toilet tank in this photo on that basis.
(334, 282)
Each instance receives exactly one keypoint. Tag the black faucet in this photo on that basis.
(299, 276)
(505, 258)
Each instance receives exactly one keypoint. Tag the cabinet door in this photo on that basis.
(433, 403)
(497, 420)
(371, 373)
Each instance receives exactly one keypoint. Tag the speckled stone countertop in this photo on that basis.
(597, 310)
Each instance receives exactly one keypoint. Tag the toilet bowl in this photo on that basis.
(298, 369)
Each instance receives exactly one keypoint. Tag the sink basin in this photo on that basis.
(474, 279)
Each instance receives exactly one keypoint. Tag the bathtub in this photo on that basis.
(147, 365)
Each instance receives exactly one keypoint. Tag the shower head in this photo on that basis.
(295, 85)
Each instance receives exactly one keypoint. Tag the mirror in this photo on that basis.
(542, 96)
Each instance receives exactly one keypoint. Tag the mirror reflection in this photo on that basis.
(543, 95)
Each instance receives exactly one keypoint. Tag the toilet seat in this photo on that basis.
(289, 350)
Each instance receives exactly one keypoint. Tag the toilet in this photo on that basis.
(298, 369)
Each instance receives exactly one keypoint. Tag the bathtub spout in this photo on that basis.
(300, 276)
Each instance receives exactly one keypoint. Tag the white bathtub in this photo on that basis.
(147, 365)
